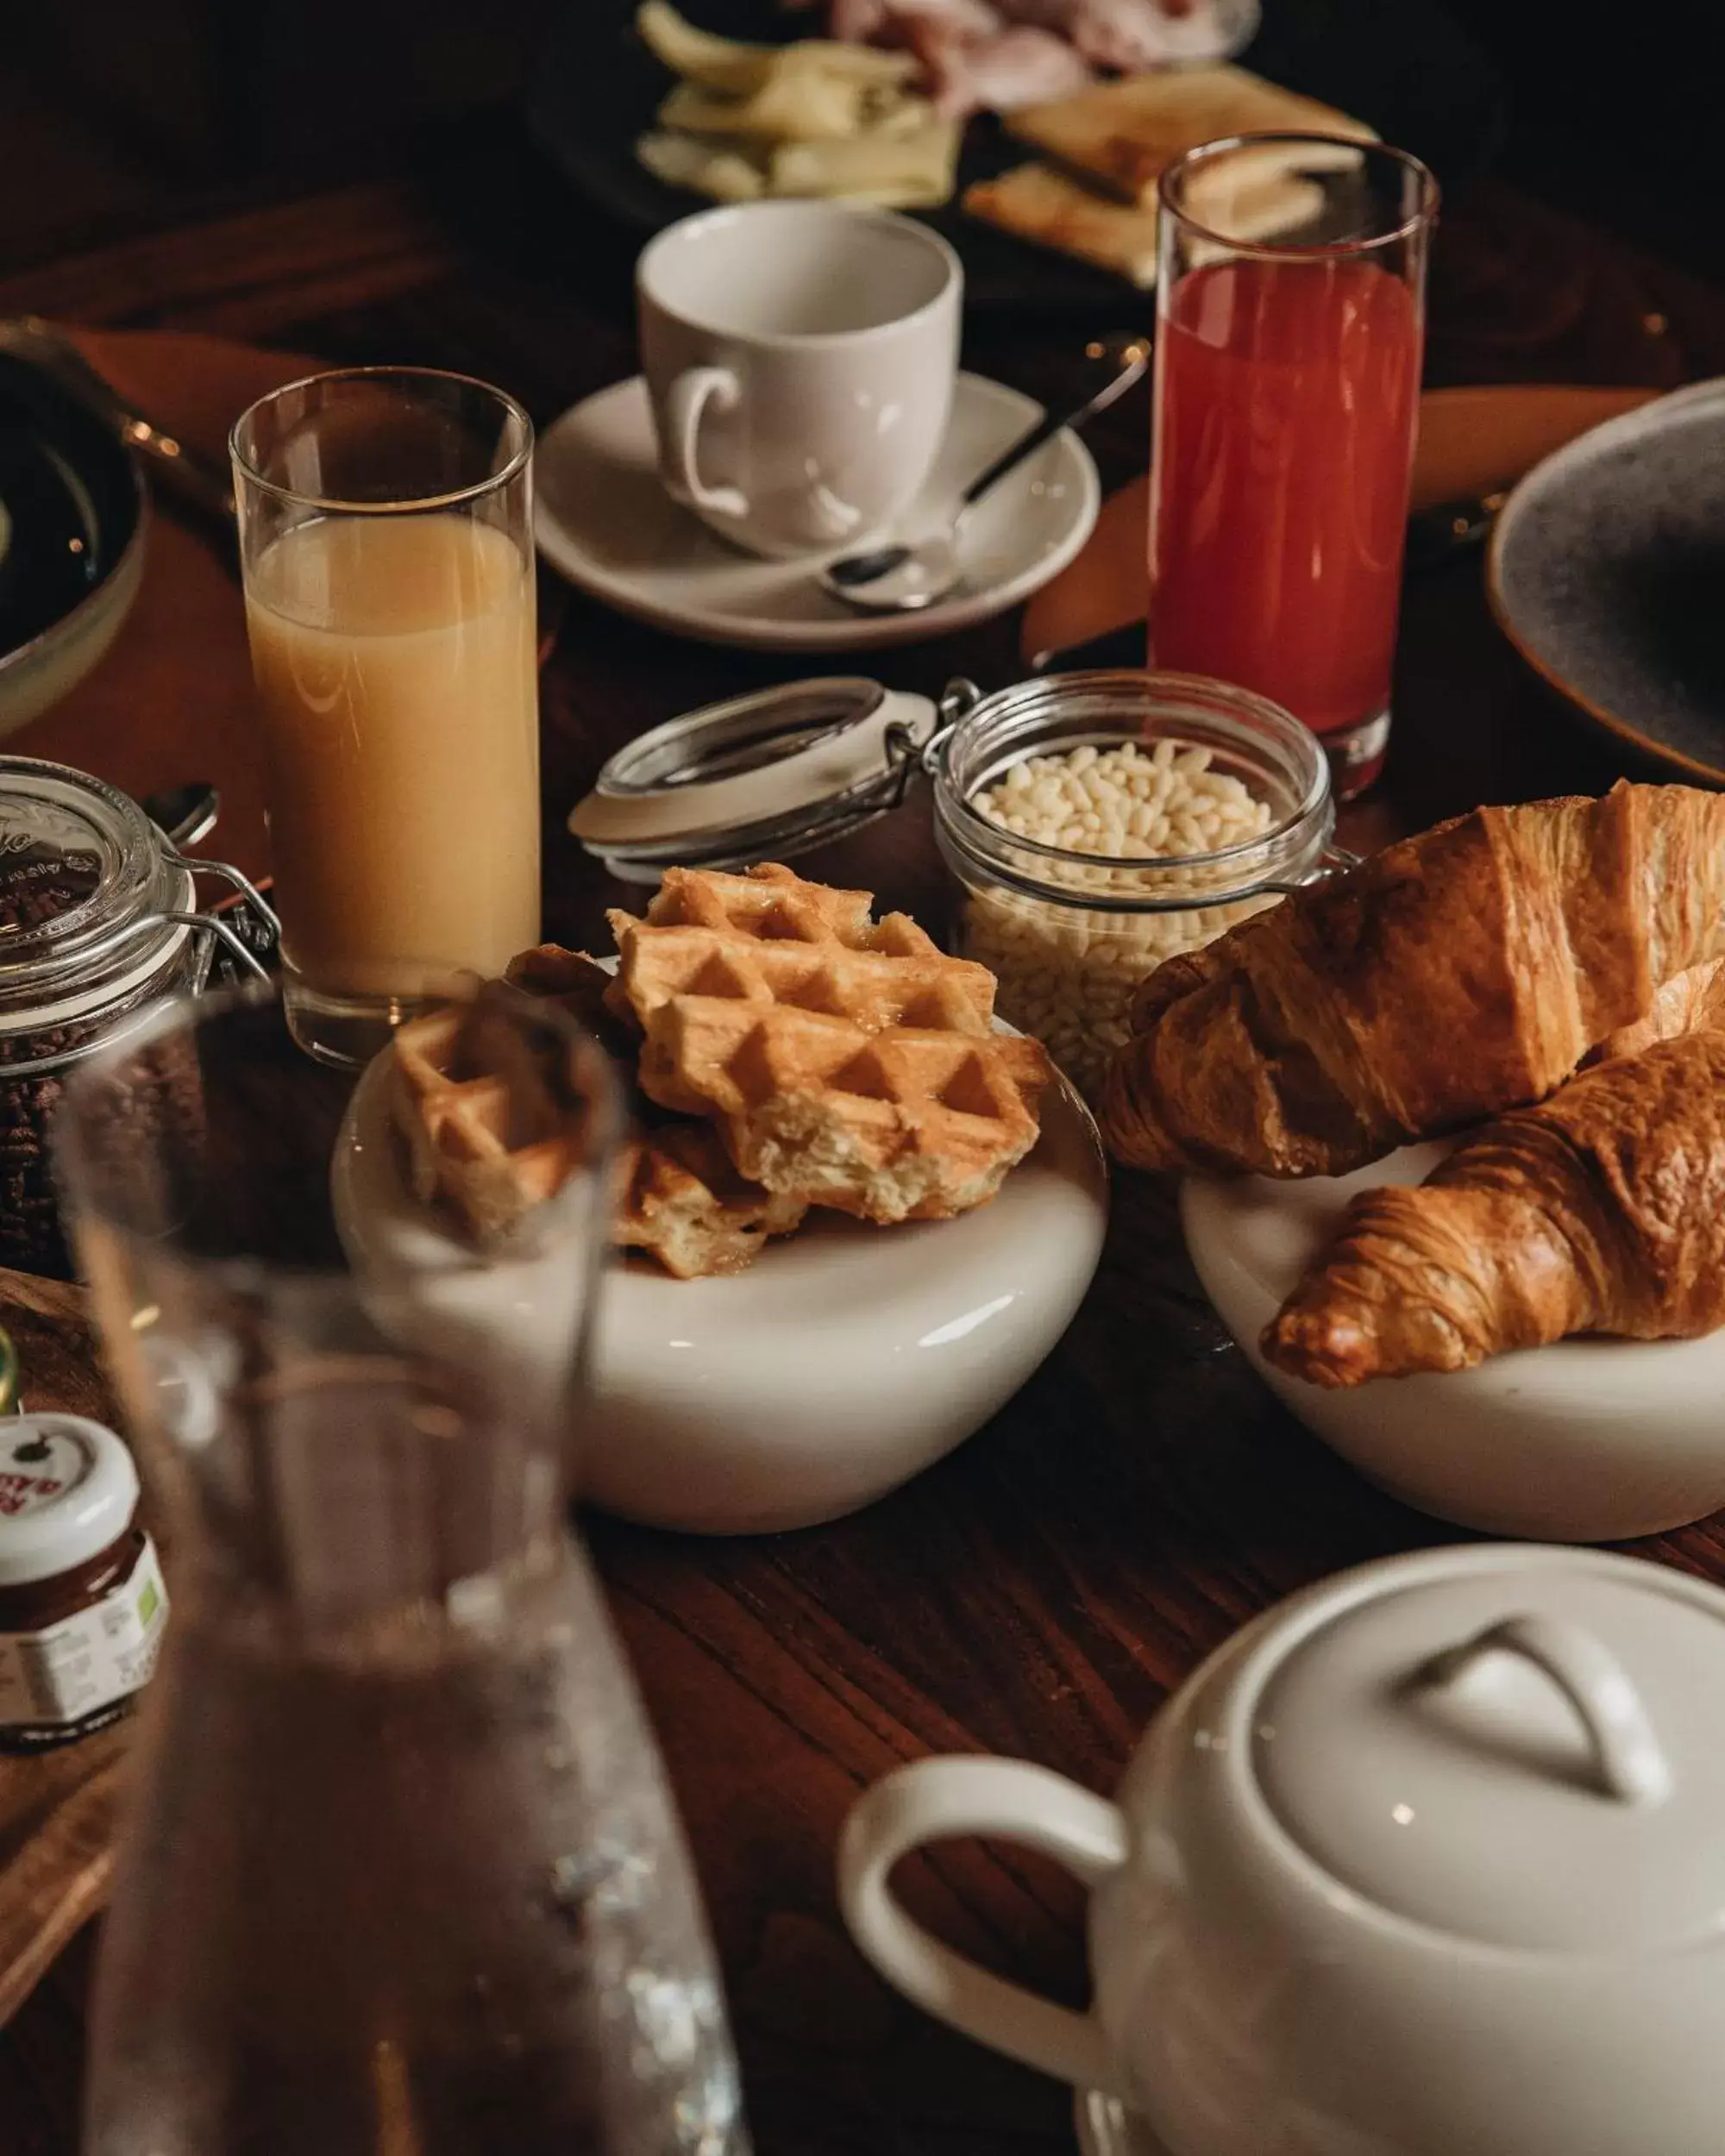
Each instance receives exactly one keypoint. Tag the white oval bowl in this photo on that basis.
(1588, 1440)
(844, 1361)
(847, 1358)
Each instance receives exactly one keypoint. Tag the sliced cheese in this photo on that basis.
(825, 108)
(736, 70)
(703, 165)
(901, 172)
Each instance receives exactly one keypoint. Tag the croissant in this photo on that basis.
(1601, 1210)
(1451, 977)
(1687, 1003)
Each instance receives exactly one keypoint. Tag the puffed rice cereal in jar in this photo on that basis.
(1102, 822)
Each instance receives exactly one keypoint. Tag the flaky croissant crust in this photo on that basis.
(1449, 978)
(1601, 1210)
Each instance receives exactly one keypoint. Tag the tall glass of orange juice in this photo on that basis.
(386, 547)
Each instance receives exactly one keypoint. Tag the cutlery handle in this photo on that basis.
(187, 472)
(200, 479)
(1052, 422)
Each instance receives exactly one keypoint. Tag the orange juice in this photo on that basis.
(396, 669)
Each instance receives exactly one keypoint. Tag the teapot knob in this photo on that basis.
(1631, 1763)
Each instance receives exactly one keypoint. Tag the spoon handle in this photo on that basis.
(1134, 361)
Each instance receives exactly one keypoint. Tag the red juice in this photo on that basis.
(1285, 402)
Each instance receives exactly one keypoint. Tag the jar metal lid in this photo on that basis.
(68, 1490)
(776, 772)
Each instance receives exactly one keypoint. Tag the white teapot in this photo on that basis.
(1428, 1861)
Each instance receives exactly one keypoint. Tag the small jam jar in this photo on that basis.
(1229, 808)
(97, 928)
(81, 1603)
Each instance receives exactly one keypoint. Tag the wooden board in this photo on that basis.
(57, 1811)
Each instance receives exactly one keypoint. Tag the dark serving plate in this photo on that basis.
(72, 540)
(1607, 572)
(1408, 69)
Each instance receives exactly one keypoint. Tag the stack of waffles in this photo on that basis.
(789, 1051)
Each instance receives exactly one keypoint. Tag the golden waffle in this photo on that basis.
(851, 1063)
(487, 1126)
(908, 1123)
(679, 1196)
(769, 942)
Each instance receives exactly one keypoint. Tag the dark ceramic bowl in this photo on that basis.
(72, 523)
(1607, 572)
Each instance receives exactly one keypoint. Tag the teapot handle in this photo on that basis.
(938, 1800)
(1631, 1762)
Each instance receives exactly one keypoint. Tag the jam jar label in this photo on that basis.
(72, 1677)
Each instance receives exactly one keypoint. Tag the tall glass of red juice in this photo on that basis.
(1291, 325)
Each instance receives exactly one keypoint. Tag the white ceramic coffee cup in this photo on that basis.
(800, 357)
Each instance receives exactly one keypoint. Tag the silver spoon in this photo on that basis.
(905, 577)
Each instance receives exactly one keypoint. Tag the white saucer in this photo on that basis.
(603, 521)
(1587, 1440)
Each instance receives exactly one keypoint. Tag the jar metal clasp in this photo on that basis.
(957, 700)
(253, 903)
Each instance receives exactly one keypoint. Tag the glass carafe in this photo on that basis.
(402, 1877)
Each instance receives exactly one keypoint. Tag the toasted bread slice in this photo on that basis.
(1036, 202)
(1127, 134)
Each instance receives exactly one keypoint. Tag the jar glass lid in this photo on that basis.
(772, 773)
(81, 866)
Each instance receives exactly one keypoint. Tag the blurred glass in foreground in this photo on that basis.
(401, 1872)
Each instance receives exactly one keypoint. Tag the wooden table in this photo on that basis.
(1040, 1592)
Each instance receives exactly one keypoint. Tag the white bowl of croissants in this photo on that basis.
(1454, 1126)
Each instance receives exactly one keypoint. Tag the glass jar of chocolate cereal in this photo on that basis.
(99, 927)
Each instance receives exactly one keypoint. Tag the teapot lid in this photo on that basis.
(1523, 1747)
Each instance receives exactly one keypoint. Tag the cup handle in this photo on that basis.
(685, 407)
(937, 1800)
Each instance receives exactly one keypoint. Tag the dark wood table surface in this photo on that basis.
(1040, 1592)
